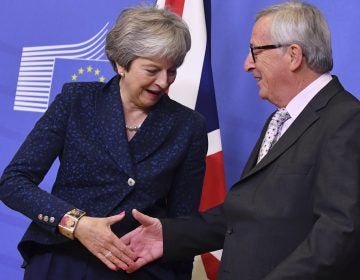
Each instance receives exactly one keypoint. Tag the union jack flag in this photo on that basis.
(194, 88)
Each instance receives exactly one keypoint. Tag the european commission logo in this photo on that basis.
(44, 69)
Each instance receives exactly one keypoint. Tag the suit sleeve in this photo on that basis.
(19, 185)
(190, 236)
(335, 235)
(185, 193)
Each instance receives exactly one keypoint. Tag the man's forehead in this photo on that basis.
(261, 30)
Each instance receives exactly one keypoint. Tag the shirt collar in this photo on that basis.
(299, 102)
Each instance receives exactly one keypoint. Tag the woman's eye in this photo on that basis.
(151, 71)
(172, 72)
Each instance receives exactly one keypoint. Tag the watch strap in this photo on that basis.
(69, 222)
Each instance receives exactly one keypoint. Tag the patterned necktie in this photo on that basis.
(273, 132)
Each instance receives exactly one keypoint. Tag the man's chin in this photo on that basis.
(262, 95)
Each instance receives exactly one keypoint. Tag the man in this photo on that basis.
(294, 213)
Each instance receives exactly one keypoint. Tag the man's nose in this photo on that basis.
(249, 63)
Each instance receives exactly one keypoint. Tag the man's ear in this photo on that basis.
(296, 56)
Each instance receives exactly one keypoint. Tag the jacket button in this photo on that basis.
(131, 182)
(229, 231)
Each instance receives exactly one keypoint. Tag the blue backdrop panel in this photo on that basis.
(241, 112)
(42, 45)
(46, 43)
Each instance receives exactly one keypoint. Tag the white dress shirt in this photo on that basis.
(299, 102)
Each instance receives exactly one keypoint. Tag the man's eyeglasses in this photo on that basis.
(265, 47)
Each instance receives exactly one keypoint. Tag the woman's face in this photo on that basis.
(146, 81)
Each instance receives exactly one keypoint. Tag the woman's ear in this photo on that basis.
(121, 70)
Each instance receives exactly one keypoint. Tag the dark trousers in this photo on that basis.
(73, 262)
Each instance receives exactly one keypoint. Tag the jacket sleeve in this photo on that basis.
(19, 185)
(189, 236)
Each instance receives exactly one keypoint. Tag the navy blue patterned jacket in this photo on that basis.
(160, 171)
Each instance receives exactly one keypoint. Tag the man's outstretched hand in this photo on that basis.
(146, 241)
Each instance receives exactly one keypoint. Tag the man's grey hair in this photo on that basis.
(300, 23)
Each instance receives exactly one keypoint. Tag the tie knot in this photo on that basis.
(281, 116)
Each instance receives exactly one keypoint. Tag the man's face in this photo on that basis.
(271, 66)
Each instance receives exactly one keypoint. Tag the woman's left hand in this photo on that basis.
(96, 235)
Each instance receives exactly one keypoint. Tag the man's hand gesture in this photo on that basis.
(146, 241)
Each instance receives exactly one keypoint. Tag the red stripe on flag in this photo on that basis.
(214, 189)
(212, 265)
(177, 6)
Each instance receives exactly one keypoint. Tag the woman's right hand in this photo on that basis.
(96, 235)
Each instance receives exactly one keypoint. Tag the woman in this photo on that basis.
(121, 146)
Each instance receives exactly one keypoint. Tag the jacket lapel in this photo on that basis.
(307, 117)
(255, 152)
(154, 130)
(111, 125)
(295, 131)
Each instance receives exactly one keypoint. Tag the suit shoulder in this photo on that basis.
(185, 112)
(345, 103)
(341, 95)
(82, 87)
(83, 92)
(351, 99)
(77, 95)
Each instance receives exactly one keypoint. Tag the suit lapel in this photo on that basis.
(111, 125)
(297, 128)
(308, 116)
(255, 152)
(154, 130)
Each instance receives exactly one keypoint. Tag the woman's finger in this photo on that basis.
(104, 257)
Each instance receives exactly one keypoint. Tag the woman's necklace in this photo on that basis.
(133, 128)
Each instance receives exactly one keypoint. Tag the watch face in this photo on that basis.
(71, 223)
(68, 221)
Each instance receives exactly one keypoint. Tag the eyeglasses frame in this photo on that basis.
(265, 47)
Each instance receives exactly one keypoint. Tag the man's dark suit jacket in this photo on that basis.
(159, 171)
(294, 215)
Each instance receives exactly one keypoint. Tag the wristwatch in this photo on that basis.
(69, 221)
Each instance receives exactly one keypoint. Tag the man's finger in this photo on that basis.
(142, 218)
(123, 251)
(126, 239)
(140, 262)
